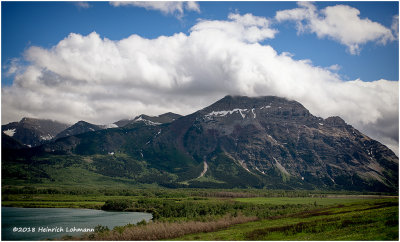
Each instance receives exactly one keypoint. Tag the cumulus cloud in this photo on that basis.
(246, 27)
(166, 7)
(82, 5)
(340, 23)
(334, 67)
(100, 80)
(395, 26)
(12, 66)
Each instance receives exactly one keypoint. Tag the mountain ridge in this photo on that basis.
(33, 132)
(78, 128)
(151, 120)
(269, 142)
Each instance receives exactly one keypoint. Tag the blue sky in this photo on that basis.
(26, 24)
(102, 61)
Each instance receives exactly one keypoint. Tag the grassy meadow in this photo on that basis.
(324, 201)
(375, 219)
(235, 214)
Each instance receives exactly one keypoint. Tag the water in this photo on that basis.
(43, 223)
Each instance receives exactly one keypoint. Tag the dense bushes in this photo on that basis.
(117, 204)
(171, 193)
(118, 166)
(187, 209)
(172, 209)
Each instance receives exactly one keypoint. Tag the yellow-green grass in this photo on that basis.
(79, 201)
(56, 200)
(51, 204)
(363, 220)
(300, 200)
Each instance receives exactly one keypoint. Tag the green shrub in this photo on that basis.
(143, 222)
(101, 229)
(117, 204)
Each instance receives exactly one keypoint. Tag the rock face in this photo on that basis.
(269, 135)
(33, 132)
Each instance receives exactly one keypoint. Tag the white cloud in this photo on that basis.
(193, 6)
(82, 4)
(100, 80)
(395, 26)
(246, 27)
(166, 7)
(12, 66)
(334, 67)
(340, 23)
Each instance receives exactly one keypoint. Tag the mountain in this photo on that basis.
(150, 120)
(276, 137)
(262, 142)
(79, 128)
(33, 132)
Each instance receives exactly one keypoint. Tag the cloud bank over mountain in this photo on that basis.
(101, 80)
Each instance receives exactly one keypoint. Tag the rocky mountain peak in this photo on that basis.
(245, 101)
(169, 117)
(149, 120)
(33, 132)
(267, 107)
(78, 128)
(81, 122)
(335, 121)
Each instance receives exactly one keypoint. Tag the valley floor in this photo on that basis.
(204, 214)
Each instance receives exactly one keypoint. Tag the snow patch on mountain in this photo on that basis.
(268, 106)
(223, 113)
(46, 137)
(9, 132)
(109, 126)
(254, 114)
(146, 121)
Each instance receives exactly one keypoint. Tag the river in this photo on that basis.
(43, 223)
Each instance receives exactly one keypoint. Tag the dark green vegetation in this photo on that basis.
(96, 197)
(117, 170)
(238, 214)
